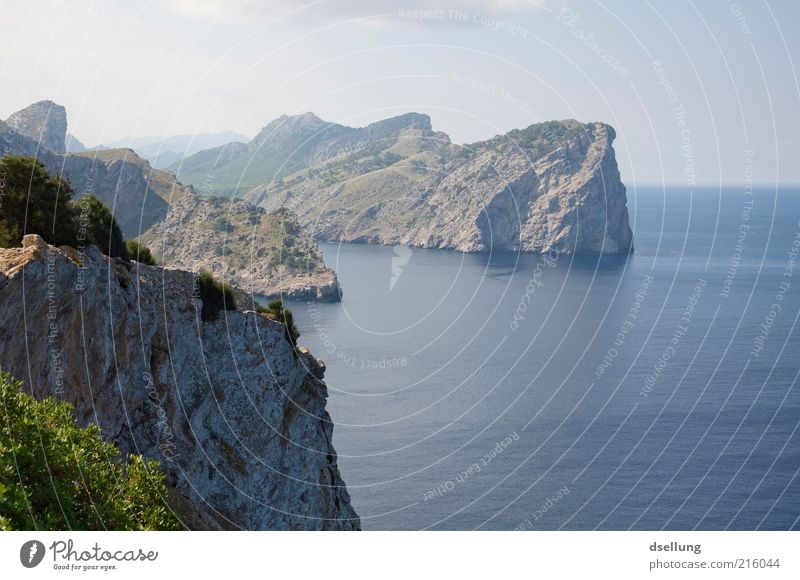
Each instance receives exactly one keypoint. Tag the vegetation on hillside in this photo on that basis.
(34, 202)
(216, 296)
(95, 224)
(538, 139)
(242, 234)
(141, 253)
(275, 310)
(55, 475)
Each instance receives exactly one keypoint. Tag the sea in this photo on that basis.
(507, 391)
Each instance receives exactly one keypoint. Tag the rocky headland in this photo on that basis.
(265, 253)
(233, 412)
(550, 186)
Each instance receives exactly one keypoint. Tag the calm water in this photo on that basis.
(658, 391)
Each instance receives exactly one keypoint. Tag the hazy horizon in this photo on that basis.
(683, 112)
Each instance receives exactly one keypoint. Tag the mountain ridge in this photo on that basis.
(549, 186)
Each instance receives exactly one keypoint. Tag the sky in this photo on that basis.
(699, 92)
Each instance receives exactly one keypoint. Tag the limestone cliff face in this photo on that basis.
(237, 419)
(550, 186)
(570, 200)
(45, 122)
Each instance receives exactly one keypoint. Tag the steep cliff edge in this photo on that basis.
(510, 196)
(236, 417)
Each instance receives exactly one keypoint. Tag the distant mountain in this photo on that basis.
(73, 145)
(262, 252)
(291, 144)
(162, 152)
(45, 122)
(550, 186)
(137, 194)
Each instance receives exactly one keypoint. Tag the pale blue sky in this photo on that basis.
(167, 67)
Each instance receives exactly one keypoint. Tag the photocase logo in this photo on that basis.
(31, 553)
(402, 254)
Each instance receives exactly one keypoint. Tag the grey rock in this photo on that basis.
(262, 253)
(44, 122)
(137, 194)
(550, 186)
(236, 417)
(73, 144)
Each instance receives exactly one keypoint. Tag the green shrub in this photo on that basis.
(33, 202)
(95, 224)
(141, 253)
(278, 312)
(216, 296)
(221, 225)
(55, 475)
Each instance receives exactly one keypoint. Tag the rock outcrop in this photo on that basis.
(137, 194)
(571, 200)
(235, 415)
(73, 144)
(45, 122)
(265, 253)
(263, 261)
(551, 186)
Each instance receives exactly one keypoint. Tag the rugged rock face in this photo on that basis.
(236, 417)
(260, 252)
(570, 200)
(44, 122)
(137, 194)
(73, 144)
(250, 249)
(551, 186)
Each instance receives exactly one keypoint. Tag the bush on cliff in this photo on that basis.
(33, 202)
(278, 312)
(141, 253)
(95, 224)
(55, 475)
(215, 296)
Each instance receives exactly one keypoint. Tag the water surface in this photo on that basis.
(516, 391)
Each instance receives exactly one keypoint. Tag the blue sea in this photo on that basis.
(507, 391)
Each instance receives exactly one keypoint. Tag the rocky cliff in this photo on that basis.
(508, 197)
(73, 144)
(550, 186)
(234, 414)
(255, 251)
(266, 253)
(45, 122)
(137, 194)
